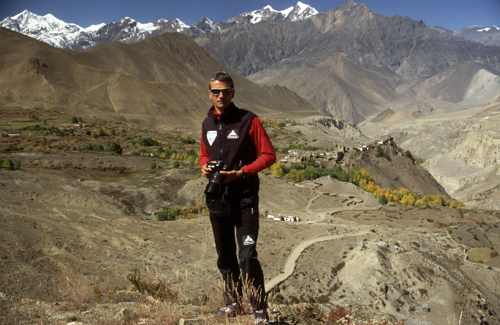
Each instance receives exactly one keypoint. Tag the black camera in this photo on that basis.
(214, 186)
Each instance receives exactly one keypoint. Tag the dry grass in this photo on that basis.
(454, 321)
(159, 298)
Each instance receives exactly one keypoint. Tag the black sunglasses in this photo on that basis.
(225, 91)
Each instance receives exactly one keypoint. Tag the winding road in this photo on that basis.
(297, 251)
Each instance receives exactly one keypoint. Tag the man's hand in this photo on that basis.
(207, 172)
(232, 175)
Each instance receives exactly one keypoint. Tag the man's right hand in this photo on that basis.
(207, 172)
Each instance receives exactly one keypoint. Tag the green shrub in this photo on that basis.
(74, 119)
(310, 162)
(114, 147)
(175, 164)
(192, 153)
(152, 165)
(162, 216)
(173, 213)
(310, 173)
(98, 133)
(8, 164)
(147, 142)
(187, 140)
(383, 200)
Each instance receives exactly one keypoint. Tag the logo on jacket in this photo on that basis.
(248, 241)
(211, 135)
(233, 135)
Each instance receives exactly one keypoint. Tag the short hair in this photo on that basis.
(221, 76)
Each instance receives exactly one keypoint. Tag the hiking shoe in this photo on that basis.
(229, 310)
(260, 318)
(261, 321)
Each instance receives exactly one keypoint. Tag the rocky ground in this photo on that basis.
(405, 263)
(76, 225)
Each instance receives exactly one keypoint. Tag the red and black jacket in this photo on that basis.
(226, 137)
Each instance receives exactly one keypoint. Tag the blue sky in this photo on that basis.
(450, 14)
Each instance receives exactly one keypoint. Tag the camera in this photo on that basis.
(214, 186)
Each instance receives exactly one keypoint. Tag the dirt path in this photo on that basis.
(295, 254)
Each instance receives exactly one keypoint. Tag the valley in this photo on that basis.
(71, 216)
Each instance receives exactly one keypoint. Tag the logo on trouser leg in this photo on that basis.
(248, 241)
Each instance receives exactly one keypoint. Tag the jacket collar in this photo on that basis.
(228, 112)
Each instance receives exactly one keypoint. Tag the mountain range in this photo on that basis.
(397, 57)
(349, 61)
(60, 34)
(355, 63)
(484, 35)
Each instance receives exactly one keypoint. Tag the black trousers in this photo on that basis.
(239, 216)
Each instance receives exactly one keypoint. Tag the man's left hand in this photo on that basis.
(232, 175)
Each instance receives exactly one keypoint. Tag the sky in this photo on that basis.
(450, 14)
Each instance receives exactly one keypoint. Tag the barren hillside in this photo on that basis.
(160, 82)
(76, 217)
(63, 226)
(461, 148)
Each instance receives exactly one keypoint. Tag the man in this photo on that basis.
(236, 137)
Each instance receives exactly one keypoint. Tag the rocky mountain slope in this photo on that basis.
(344, 89)
(462, 148)
(397, 44)
(397, 50)
(159, 82)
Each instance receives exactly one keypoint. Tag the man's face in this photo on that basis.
(221, 101)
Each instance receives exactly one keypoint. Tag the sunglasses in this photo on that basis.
(224, 91)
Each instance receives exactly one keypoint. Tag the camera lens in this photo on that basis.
(214, 186)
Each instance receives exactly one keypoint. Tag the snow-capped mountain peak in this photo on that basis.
(92, 28)
(32, 22)
(487, 29)
(58, 33)
(180, 24)
(300, 11)
(46, 28)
